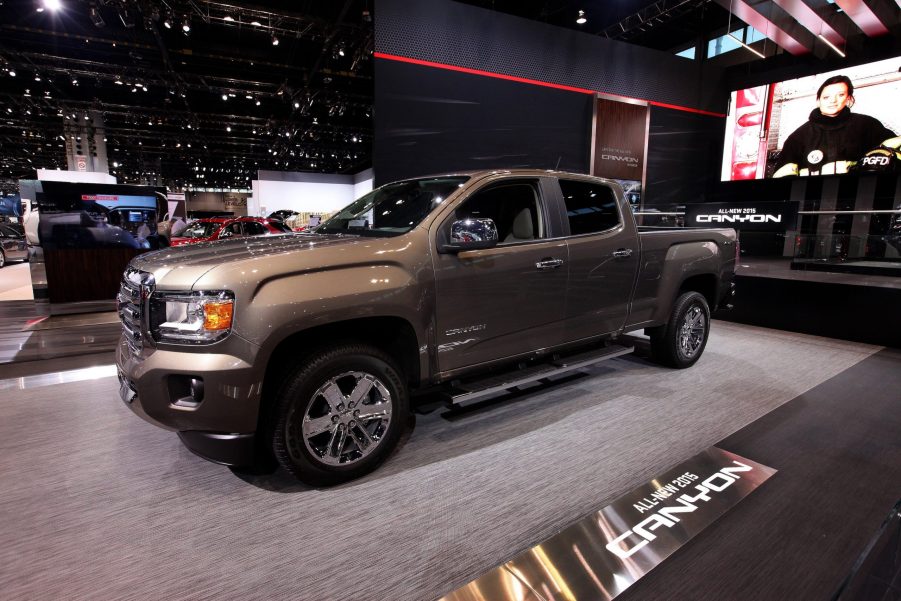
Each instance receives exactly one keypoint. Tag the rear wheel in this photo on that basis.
(2, 259)
(681, 342)
(340, 414)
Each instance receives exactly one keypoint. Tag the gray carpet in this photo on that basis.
(96, 504)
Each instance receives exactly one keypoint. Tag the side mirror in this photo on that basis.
(471, 234)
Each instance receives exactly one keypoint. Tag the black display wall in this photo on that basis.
(684, 154)
(449, 121)
(491, 90)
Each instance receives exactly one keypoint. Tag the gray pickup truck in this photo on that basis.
(307, 347)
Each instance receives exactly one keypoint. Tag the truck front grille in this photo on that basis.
(132, 304)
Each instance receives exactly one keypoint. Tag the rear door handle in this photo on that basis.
(549, 263)
(622, 253)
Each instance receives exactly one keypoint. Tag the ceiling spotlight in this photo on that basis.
(186, 26)
(227, 18)
(37, 77)
(256, 23)
(297, 105)
(96, 17)
(167, 23)
(12, 73)
(127, 18)
(258, 103)
(225, 97)
(274, 41)
(52, 4)
(228, 128)
(581, 20)
(74, 82)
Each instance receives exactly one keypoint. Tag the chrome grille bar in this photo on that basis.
(131, 302)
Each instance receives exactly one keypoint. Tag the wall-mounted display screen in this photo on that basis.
(822, 124)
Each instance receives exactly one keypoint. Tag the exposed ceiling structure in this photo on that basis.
(204, 93)
(796, 26)
(192, 93)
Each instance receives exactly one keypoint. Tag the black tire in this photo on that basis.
(681, 341)
(341, 452)
(2, 259)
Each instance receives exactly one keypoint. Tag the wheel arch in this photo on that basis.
(706, 284)
(392, 335)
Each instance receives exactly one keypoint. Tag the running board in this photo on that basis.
(464, 393)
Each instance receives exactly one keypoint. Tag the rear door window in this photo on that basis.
(590, 207)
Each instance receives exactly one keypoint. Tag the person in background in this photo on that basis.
(178, 226)
(834, 138)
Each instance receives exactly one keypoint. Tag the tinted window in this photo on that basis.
(200, 229)
(590, 207)
(252, 228)
(512, 206)
(393, 209)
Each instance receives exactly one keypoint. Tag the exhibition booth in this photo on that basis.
(468, 373)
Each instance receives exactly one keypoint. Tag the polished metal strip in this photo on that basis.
(60, 377)
(603, 554)
(874, 211)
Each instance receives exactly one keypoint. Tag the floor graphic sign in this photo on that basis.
(603, 554)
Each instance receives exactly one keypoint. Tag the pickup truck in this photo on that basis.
(307, 347)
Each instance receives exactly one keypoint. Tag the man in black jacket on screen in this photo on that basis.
(834, 138)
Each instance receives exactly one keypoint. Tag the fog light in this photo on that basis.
(185, 392)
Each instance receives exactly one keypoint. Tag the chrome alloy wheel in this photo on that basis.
(692, 331)
(345, 420)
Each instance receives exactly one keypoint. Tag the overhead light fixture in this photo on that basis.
(581, 20)
(12, 73)
(52, 4)
(258, 103)
(760, 54)
(831, 45)
(225, 97)
(256, 23)
(227, 18)
(127, 18)
(167, 23)
(96, 17)
(186, 26)
(274, 41)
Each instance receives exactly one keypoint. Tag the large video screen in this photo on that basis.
(823, 124)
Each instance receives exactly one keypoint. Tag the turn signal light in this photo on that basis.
(217, 315)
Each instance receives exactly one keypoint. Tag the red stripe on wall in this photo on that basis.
(534, 82)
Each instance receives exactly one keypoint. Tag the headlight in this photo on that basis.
(191, 317)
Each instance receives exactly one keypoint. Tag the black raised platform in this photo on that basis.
(860, 307)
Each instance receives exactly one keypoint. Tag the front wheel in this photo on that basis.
(681, 341)
(2, 259)
(340, 414)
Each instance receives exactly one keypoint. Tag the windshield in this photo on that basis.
(393, 209)
(200, 229)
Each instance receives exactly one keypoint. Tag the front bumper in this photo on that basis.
(220, 427)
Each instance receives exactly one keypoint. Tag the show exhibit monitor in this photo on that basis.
(761, 119)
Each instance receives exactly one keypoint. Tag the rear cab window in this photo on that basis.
(591, 207)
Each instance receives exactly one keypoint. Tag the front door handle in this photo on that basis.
(622, 253)
(549, 263)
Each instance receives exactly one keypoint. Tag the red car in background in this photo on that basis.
(221, 228)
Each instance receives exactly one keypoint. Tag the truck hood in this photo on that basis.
(179, 268)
